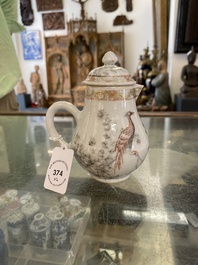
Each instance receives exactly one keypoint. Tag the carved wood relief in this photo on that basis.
(58, 70)
(53, 21)
(111, 42)
(47, 5)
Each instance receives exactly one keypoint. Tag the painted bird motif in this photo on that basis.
(125, 137)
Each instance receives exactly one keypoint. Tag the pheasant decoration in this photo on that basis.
(125, 137)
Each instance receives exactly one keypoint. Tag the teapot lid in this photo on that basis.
(109, 74)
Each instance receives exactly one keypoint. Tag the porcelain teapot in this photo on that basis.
(110, 140)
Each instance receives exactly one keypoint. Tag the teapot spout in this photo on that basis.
(138, 89)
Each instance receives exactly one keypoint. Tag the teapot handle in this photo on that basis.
(53, 109)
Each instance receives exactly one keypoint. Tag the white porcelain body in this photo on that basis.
(100, 126)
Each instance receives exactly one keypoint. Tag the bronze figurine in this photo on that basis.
(189, 76)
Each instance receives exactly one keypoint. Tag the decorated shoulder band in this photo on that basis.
(112, 95)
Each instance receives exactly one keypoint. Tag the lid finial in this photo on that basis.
(109, 58)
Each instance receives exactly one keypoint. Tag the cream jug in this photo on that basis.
(110, 140)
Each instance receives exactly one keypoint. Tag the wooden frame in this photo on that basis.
(160, 24)
(187, 26)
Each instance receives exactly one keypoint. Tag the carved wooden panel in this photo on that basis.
(46, 5)
(112, 41)
(53, 21)
(58, 71)
(82, 59)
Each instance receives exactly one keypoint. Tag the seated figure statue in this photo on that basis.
(189, 76)
(162, 97)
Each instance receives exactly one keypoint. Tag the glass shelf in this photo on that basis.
(143, 220)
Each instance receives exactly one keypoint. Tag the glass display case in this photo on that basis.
(151, 218)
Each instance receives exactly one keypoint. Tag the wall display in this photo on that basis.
(187, 26)
(70, 58)
(53, 21)
(26, 12)
(43, 5)
(31, 44)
